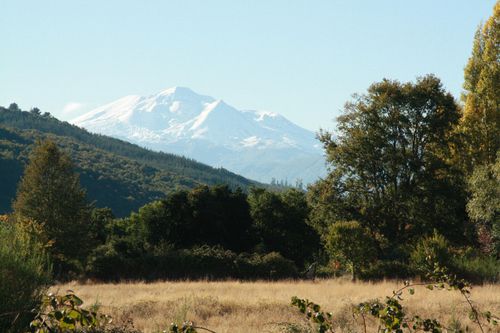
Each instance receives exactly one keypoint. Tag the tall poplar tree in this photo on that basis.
(480, 130)
(50, 194)
(480, 123)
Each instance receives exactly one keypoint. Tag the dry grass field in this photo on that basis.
(248, 307)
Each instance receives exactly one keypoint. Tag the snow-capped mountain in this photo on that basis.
(259, 145)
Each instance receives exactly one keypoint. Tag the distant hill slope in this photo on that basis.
(116, 174)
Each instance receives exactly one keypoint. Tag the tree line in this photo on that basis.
(86, 240)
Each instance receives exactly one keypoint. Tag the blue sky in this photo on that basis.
(303, 59)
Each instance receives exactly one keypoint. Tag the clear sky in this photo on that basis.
(300, 58)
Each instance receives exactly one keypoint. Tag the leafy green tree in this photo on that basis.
(390, 164)
(160, 224)
(484, 205)
(351, 245)
(221, 217)
(50, 194)
(206, 215)
(100, 219)
(281, 223)
(480, 123)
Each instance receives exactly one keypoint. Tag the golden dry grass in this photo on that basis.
(248, 307)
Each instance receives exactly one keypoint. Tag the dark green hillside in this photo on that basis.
(115, 173)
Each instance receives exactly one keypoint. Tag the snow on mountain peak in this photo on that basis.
(168, 91)
(257, 144)
(179, 94)
(202, 117)
(262, 115)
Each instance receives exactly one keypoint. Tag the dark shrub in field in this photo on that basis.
(477, 268)
(204, 262)
(430, 250)
(269, 266)
(387, 269)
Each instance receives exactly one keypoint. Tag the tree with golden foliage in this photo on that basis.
(480, 132)
(480, 123)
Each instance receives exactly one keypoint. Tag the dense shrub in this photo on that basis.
(477, 268)
(272, 265)
(466, 263)
(351, 245)
(387, 269)
(204, 262)
(24, 274)
(430, 250)
(106, 263)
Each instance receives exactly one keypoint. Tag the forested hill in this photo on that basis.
(116, 174)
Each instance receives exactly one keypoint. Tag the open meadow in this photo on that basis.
(261, 306)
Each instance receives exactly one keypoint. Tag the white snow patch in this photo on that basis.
(204, 114)
(250, 141)
(261, 115)
(198, 134)
(175, 107)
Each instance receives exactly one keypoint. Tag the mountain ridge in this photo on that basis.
(181, 121)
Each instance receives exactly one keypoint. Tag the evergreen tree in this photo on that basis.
(14, 107)
(36, 111)
(50, 194)
(480, 123)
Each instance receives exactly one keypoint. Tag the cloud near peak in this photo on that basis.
(72, 107)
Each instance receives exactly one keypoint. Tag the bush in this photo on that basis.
(268, 266)
(24, 274)
(429, 251)
(105, 263)
(387, 269)
(204, 262)
(351, 245)
(467, 264)
(477, 268)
